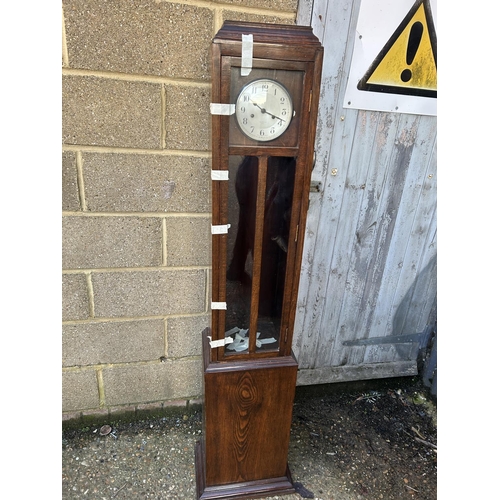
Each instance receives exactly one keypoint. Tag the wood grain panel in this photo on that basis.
(248, 416)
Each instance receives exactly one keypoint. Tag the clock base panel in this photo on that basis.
(247, 418)
(235, 491)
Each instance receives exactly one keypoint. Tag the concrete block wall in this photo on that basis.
(136, 197)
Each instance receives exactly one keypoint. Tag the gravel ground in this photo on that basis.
(355, 441)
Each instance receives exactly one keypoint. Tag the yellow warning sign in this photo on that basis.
(407, 64)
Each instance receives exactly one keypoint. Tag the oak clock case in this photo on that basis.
(262, 156)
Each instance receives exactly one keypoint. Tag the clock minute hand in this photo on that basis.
(263, 110)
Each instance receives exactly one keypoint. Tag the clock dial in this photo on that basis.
(264, 110)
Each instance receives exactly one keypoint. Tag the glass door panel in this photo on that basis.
(259, 206)
(242, 197)
(278, 208)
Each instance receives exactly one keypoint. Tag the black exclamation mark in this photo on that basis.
(413, 43)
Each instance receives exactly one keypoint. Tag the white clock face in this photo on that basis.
(264, 110)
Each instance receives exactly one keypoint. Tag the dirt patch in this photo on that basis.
(375, 440)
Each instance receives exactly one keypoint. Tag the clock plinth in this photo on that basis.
(247, 419)
(264, 112)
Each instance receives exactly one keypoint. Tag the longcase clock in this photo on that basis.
(265, 92)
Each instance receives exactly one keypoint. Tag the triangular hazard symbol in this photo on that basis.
(408, 62)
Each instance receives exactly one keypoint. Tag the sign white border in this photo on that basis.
(377, 21)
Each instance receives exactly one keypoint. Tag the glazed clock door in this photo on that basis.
(260, 147)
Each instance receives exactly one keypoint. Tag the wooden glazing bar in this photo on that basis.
(257, 252)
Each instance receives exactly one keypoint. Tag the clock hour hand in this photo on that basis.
(263, 110)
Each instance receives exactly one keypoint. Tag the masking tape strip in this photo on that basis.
(221, 342)
(219, 305)
(222, 109)
(223, 229)
(246, 54)
(220, 175)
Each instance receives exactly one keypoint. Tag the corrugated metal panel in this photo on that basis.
(369, 266)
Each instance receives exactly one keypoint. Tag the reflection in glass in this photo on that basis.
(276, 184)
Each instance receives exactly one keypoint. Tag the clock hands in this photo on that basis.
(263, 110)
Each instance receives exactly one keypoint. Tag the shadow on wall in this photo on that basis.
(406, 320)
